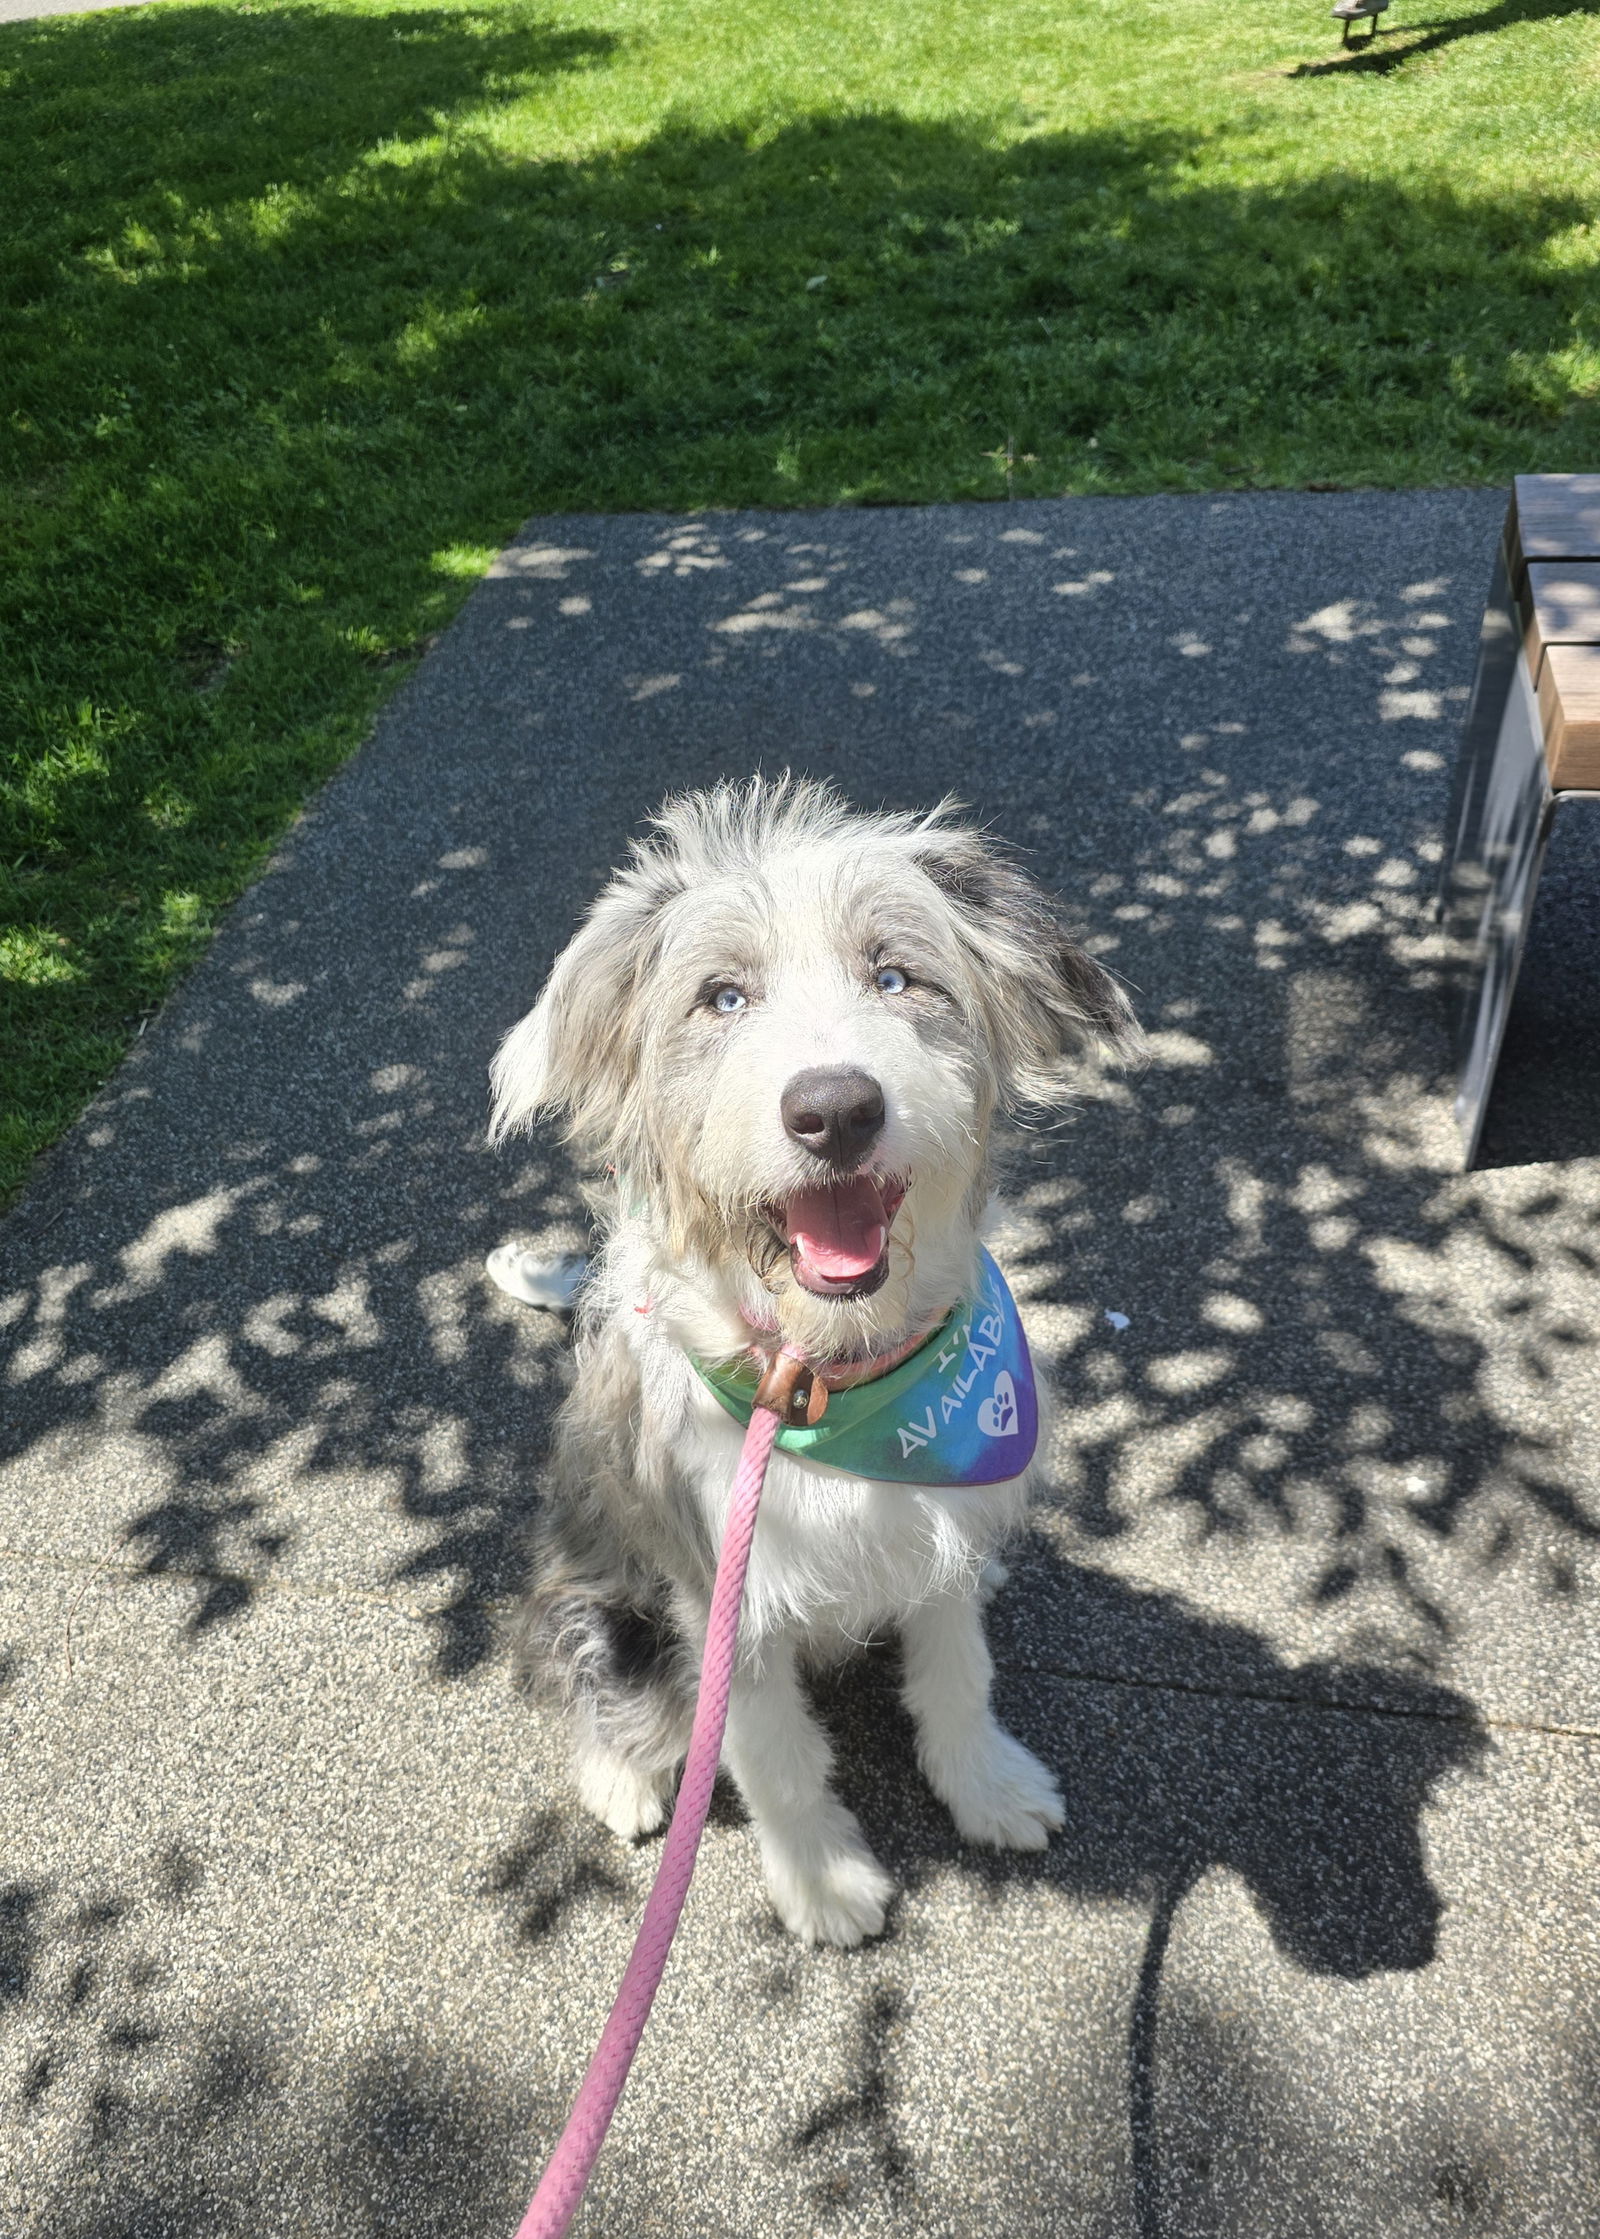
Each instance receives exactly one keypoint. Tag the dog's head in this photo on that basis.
(789, 1026)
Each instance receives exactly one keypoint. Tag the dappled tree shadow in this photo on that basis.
(82, 1986)
(174, 2119)
(1282, 1775)
(560, 1862)
(1287, 1776)
(177, 2126)
(249, 1344)
(256, 1272)
(864, 2111)
(364, 1380)
(377, 1356)
(375, 310)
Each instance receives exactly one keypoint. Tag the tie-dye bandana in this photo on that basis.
(962, 1410)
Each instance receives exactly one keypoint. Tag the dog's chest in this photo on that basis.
(835, 1554)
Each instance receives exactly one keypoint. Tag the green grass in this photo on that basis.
(305, 307)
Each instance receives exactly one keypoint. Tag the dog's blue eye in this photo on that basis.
(728, 999)
(891, 981)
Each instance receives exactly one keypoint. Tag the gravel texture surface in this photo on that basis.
(300, 1929)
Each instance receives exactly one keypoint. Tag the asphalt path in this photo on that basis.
(301, 1931)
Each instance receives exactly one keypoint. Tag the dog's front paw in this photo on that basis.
(999, 1793)
(838, 1899)
(631, 1803)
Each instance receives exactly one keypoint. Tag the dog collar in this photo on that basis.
(960, 1410)
(844, 1369)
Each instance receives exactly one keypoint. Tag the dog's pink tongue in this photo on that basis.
(839, 1229)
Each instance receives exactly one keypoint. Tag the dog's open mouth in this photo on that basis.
(838, 1234)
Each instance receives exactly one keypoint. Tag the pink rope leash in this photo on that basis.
(787, 1394)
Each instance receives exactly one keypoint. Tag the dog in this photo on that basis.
(788, 1033)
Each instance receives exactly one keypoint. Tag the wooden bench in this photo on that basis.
(1531, 746)
(1559, 601)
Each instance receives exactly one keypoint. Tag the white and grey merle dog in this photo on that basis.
(787, 1030)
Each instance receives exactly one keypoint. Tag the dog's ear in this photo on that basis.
(1043, 997)
(574, 1053)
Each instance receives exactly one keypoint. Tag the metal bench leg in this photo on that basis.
(1491, 686)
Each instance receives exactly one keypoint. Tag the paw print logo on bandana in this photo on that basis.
(997, 1417)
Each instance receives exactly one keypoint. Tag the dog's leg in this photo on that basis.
(631, 1798)
(996, 1791)
(823, 1879)
(628, 1710)
(627, 1745)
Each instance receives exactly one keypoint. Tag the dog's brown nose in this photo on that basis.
(836, 1111)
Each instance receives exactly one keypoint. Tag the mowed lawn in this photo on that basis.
(306, 306)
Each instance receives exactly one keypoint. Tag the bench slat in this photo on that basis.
(1569, 706)
(1560, 605)
(1557, 517)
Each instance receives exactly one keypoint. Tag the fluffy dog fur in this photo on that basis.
(761, 931)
